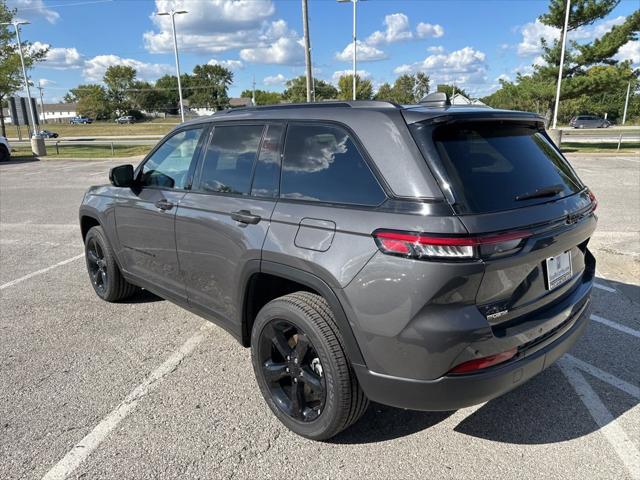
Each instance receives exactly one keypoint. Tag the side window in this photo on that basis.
(266, 179)
(229, 159)
(168, 167)
(321, 162)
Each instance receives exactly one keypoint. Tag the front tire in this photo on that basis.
(104, 273)
(4, 153)
(302, 369)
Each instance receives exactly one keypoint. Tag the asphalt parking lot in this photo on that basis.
(146, 390)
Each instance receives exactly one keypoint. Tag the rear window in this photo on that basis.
(493, 167)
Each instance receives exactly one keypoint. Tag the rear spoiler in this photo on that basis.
(449, 116)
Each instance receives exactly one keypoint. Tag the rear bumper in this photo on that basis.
(452, 392)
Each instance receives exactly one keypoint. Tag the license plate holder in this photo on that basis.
(559, 269)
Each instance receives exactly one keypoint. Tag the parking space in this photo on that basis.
(146, 390)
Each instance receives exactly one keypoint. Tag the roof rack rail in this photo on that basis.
(323, 104)
(435, 99)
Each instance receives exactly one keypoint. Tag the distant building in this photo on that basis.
(233, 103)
(53, 112)
(459, 99)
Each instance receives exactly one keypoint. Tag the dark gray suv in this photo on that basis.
(427, 257)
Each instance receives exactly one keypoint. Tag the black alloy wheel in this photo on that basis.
(97, 264)
(292, 370)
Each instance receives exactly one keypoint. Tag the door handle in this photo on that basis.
(164, 204)
(245, 216)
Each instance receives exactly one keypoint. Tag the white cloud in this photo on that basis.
(427, 30)
(32, 9)
(209, 25)
(397, 29)
(363, 74)
(95, 67)
(278, 79)
(230, 64)
(464, 67)
(45, 82)
(630, 51)
(364, 53)
(284, 51)
(532, 32)
(436, 49)
(59, 58)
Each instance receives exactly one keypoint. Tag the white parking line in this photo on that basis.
(604, 376)
(88, 444)
(609, 427)
(40, 272)
(604, 287)
(615, 325)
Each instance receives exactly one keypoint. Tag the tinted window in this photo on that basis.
(321, 162)
(266, 178)
(169, 165)
(489, 165)
(229, 159)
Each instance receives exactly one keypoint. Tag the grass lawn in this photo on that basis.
(155, 127)
(629, 147)
(89, 151)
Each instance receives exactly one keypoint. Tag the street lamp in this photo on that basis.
(172, 14)
(16, 25)
(355, 2)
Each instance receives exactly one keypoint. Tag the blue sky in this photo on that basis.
(471, 43)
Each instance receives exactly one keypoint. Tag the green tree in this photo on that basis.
(296, 91)
(407, 89)
(93, 101)
(449, 90)
(364, 88)
(120, 79)
(263, 97)
(208, 86)
(385, 92)
(10, 69)
(146, 97)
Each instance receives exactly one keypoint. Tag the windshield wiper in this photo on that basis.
(541, 192)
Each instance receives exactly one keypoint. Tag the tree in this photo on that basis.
(146, 97)
(296, 91)
(208, 86)
(407, 89)
(450, 89)
(590, 69)
(263, 97)
(364, 88)
(11, 79)
(93, 101)
(385, 92)
(119, 80)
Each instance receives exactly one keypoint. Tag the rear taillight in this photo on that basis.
(484, 362)
(594, 201)
(423, 246)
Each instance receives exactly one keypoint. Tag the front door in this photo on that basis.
(145, 214)
(222, 222)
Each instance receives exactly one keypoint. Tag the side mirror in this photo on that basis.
(121, 176)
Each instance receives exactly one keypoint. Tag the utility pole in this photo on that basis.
(172, 14)
(355, 42)
(41, 88)
(307, 47)
(564, 41)
(626, 103)
(16, 25)
(253, 94)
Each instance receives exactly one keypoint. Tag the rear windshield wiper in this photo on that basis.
(541, 192)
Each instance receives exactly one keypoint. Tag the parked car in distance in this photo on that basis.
(80, 120)
(427, 257)
(589, 121)
(125, 119)
(47, 134)
(5, 149)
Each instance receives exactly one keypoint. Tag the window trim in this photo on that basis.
(363, 154)
(194, 160)
(283, 136)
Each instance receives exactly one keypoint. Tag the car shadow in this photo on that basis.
(15, 160)
(381, 423)
(142, 296)
(629, 290)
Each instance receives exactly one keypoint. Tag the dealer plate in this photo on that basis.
(558, 270)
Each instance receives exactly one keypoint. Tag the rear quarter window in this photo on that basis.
(489, 165)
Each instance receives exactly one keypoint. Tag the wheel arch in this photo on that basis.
(308, 282)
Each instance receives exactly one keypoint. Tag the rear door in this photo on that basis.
(222, 223)
(507, 177)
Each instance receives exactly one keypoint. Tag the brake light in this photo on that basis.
(594, 200)
(423, 246)
(485, 362)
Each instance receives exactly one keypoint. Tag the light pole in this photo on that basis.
(564, 41)
(16, 25)
(307, 48)
(40, 89)
(354, 2)
(626, 103)
(172, 14)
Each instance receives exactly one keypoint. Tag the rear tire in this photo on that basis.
(104, 273)
(4, 153)
(325, 384)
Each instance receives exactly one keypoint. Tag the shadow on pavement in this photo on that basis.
(380, 423)
(143, 296)
(15, 160)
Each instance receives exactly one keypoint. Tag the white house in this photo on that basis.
(53, 112)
